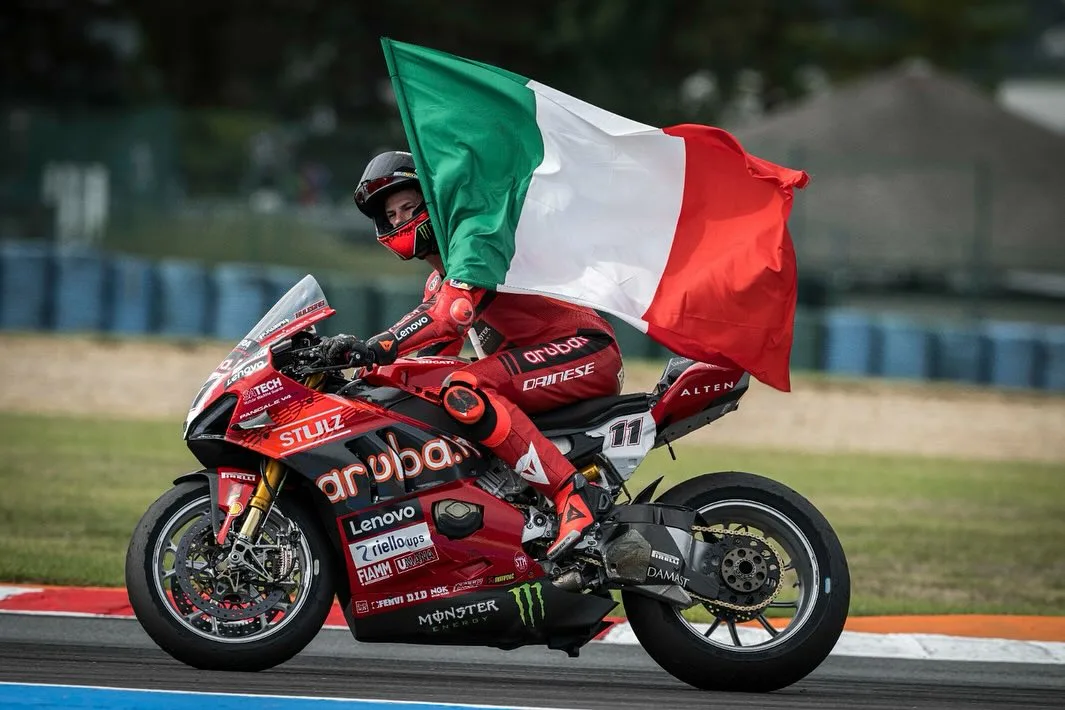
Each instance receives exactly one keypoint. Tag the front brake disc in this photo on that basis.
(200, 584)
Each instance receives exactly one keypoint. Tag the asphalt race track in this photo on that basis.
(116, 653)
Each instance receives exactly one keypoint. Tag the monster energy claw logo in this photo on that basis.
(530, 601)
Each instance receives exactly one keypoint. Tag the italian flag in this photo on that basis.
(677, 231)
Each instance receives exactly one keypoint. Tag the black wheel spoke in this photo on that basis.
(733, 633)
(777, 556)
(766, 625)
(713, 627)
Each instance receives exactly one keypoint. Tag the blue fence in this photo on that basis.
(42, 288)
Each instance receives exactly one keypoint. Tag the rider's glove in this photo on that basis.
(347, 350)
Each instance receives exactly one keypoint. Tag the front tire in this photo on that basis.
(234, 622)
(730, 657)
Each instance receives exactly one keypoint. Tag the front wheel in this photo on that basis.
(799, 616)
(236, 619)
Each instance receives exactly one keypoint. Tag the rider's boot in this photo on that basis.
(580, 505)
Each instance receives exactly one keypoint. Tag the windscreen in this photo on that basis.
(302, 306)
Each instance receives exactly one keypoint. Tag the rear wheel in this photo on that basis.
(237, 619)
(800, 587)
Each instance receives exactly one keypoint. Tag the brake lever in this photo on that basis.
(325, 368)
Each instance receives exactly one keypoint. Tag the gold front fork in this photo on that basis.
(273, 476)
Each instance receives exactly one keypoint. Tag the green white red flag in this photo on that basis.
(678, 231)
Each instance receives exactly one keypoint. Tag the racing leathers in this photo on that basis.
(539, 354)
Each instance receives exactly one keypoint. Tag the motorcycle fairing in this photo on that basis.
(671, 429)
(533, 612)
(415, 374)
(692, 394)
(694, 388)
(400, 554)
(406, 405)
(391, 461)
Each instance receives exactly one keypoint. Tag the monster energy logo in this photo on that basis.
(530, 601)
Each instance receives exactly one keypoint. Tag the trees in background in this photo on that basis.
(659, 62)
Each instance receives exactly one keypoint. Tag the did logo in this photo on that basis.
(530, 601)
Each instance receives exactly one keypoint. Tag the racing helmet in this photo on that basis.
(384, 175)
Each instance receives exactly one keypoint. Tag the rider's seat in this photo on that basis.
(590, 413)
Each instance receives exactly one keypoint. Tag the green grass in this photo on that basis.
(72, 491)
(921, 535)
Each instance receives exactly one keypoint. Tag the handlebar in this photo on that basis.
(311, 360)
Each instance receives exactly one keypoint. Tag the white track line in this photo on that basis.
(912, 646)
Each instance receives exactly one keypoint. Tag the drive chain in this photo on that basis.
(748, 611)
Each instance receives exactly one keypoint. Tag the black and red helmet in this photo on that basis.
(384, 175)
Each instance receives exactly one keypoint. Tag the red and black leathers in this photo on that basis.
(540, 354)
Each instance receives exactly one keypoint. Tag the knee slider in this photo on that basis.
(468, 405)
(465, 404)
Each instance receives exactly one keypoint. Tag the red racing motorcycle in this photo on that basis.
(315, 486)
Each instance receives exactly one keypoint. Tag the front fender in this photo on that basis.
(211, 474)
(231, 489)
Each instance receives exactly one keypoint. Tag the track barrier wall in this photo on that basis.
(44, 288)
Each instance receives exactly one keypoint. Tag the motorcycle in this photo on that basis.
(317, 487)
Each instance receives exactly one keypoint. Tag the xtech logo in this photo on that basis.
(530, 601)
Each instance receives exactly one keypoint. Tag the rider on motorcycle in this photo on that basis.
(537, 353)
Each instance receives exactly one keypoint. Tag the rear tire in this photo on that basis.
(689, 656)
(184, 507)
